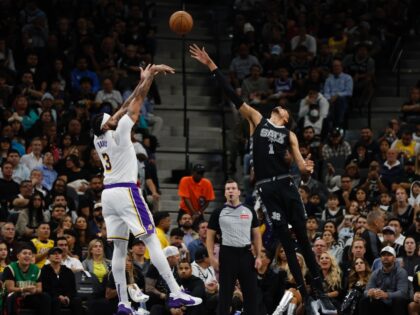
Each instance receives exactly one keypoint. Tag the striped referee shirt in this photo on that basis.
(234, 224)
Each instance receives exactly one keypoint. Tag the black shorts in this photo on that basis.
(283, 203)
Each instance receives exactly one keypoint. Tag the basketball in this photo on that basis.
(181, 22)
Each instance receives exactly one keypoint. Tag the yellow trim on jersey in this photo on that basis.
(140, 234)
(136, 210)
(117, 238)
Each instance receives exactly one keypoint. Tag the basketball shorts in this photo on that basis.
(125, 211)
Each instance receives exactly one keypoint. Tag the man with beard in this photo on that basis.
(97, 221)
(93, 193)
(387, 289)
(186, 224)
(409, 176)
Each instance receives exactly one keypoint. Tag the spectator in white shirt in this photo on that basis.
(33, 159)
(70, 262)
(304, 39)
(20, 171)
(108, 94)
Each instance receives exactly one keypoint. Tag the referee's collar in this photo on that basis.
(234, 207)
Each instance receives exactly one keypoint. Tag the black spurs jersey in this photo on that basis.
(270, 150)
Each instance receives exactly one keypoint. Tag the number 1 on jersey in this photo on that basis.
(108, 166)
(271, 150)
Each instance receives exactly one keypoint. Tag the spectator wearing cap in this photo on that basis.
(387, 289)
(20, 171)
(22, 279)
(336, 146)
(337, 90)
(202, 269)
(414, 231)
(195, 192)
(72, 263)
(59, 283)
(392, 170)
(255, 88)
(138, 249)
(156, 287)
(34, 159)
(8, 187)
(406, 145)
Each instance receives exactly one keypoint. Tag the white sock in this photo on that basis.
(159, 260)
(118, 270)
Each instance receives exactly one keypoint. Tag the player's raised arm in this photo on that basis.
(304, 165)
(253, 116)
(147, 76)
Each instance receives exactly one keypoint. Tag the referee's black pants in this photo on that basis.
(237, 263)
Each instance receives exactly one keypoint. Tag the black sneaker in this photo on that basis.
(326, 306)
(311, 306)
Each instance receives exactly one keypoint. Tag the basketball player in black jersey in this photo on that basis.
(273, 144)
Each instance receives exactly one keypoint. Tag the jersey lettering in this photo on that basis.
(273, 135)
(102, 143)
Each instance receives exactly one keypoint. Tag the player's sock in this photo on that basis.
(118, 270)
(159, 260)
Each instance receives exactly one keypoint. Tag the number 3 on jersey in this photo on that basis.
(108, 166)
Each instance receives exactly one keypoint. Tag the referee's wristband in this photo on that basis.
(230, 93)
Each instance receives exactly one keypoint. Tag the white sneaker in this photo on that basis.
(182, 298)
(136, 294)
(141, 311)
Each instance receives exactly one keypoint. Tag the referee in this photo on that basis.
(238, 227)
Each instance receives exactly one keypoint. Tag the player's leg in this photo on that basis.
(140, 222)
(298, 221)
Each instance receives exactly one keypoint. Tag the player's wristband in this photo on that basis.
(230, 93)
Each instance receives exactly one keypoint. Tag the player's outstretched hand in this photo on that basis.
(145, 71)
(156, 69)
(309, 164)
(200, 54)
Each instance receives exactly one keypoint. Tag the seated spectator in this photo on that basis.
(414, 231)
(42, 243)
(387, 288)
(357, 250)
(414, 199)
(313, 119)
(337, 90)
(304, 39)
(385, 202)
(411, 108)
(391, 170)
(396, 224)
(402, 210)
(81, 228)
(22, 279)
(336, 146)
(360, 156)
(70, 262)
(363, 205)
(49, 175)
(96, 262)
(410, 258)
(58, 213)
(20, 171)
(8, 235)
(8, 187)
(284, 86)
(33, 159)
(97, 221)
(333, 246)
(141, 263)
(75, 249)
(81, 71)
(366, 139)
(108, 94)
(333, 211)
(176, 239)
(31, 217)
(410, 177)
(202, 269)
(59, 283)
(312, 227)
(338, 42)
(201, 241)
(319, 247)
(186, 224)
(414, 306)
(357, 281)
(240, 65)
(332, 277)
(280, 260)
(362, 69)
(36, 179)
(373, 183)
(406, 145)
(255, 88)
(314, 97)
(66, 223)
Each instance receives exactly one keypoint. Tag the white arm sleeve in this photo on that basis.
(123, 131)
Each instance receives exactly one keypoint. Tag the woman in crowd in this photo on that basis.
(82, 234)
(280, 260)
(332, 277)
(64, 224)
(353, 208)
(4, 261)
(411, 259)
(362, 201)
(402, 209)
(357, 281)
(96, 262)
(335, 247)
